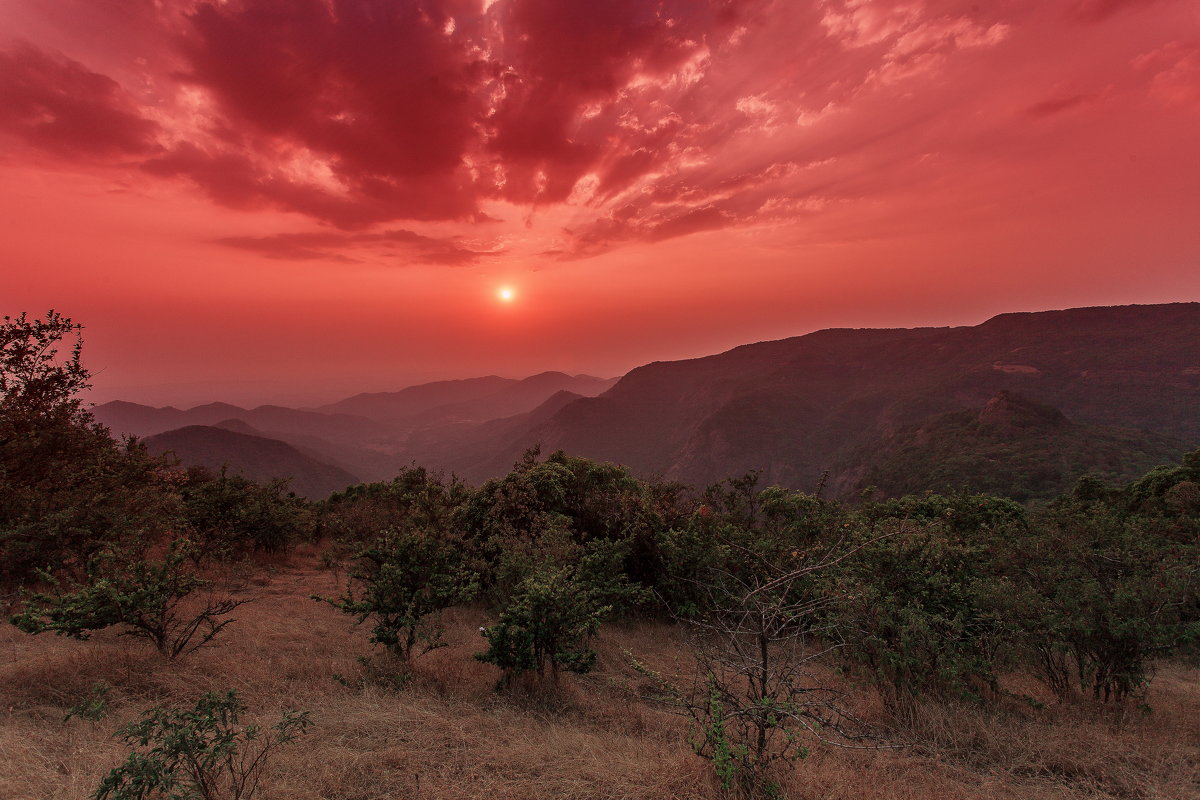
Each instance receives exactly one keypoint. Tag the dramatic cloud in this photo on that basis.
(356, 114)
(59, 106)
(748, 165)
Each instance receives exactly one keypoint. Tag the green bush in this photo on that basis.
(546, 623)
(415, 499)
(228, 515)
(400, 583)
(919, 609)
(566, 506)
(739, 531)
(149, 598)
(1100, 594)
(67, 489)
(201, 753)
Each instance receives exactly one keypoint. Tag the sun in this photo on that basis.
(506, 294)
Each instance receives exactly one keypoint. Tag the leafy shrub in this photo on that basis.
(565, 501)
(67, 489)
(93, 706)
(202, 753)
(759, 613)
(416, 499)
(228, 515)
(1100, 594)
(547, 622)
(921, 614)
(400, 583)
(740, 531)
(147, 597)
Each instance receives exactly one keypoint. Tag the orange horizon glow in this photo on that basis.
(261, 202)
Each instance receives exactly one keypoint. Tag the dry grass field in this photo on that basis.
(449, 735)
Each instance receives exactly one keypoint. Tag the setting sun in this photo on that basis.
(506, 294)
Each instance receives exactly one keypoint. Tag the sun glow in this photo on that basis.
(506, 294)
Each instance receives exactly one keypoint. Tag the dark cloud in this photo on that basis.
(641, 120)
(358, 113)
(1097, 10)
(565, 59)
(331, 246)
(383, 94)
(647, 223)
(624, 171)
(61, 107)
(1055, 105)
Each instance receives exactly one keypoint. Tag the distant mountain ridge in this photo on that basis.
(797, 407)
(139, 420)
(372, 448)
(1011, 447)
(1111, 389)
(256, 457)
(470, 400)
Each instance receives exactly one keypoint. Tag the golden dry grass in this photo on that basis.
(449, 736)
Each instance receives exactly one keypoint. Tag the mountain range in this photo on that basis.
(257, 457)
(1020, 404)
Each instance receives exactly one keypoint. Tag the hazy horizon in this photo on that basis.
(249, 394)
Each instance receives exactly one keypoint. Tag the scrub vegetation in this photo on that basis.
(568, 630)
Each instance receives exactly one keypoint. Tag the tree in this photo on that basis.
(571, 504)
(37, 383)
(401, 582)
(415, 499)
(147, 597)
(921, 612)
(547, 623)
(230, 514)
(1100, 593)
(201, 753)
(761, 621)
(67, 490)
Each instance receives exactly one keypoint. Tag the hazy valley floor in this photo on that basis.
(450, 735)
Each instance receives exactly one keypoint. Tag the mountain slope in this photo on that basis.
(480, 448)
(256, 457)
(413, 400)
(1011, 447)
(470, 400)
(139, 420)
(797, 407)
(518, 398)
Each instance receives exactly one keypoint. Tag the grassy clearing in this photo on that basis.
(449, 736)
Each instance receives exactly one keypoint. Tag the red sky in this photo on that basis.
(295, 200)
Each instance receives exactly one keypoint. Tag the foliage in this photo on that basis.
(1025, 451)
(202, 753)
(93, 706)
(400, 582)
(738, 531)
(148, 597)
(571, 506)
(547, 622)
(919, 615)
(415, 499)
(1101, 593)
(67, 490)
(756, 638)
(230, 514)
(36, 382)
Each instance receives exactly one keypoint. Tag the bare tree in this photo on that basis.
(756, 699)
